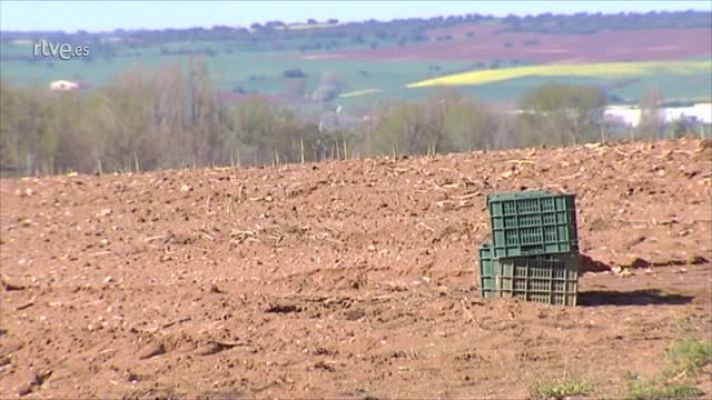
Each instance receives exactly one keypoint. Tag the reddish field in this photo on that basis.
(351, 279)
(489, 44)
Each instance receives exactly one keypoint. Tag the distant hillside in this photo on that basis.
(490, 43)
(331, 34)
(324, 62)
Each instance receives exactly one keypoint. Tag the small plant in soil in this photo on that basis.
(686, 359)
(560, 389)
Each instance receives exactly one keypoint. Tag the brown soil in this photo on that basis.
(351, 279)
(490, 43)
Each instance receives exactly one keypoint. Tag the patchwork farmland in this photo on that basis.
(492, 41)
(376, 68)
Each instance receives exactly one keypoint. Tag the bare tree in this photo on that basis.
(652, 123)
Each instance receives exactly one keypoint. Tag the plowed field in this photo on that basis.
(490, 42)
(350, 279)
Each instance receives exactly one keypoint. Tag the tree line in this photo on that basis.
(173, 117)
(398, 32)
(584, 23)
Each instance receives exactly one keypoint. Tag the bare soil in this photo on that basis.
(490, 42)
(350, 279)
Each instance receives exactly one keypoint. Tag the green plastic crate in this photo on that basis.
(550, 279)
(486, 273)
(532, 223)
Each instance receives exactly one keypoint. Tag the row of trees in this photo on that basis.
(170, 118)
(584, 23)
(174, 117)
(447, 121)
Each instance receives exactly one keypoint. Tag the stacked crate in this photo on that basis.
(533, 255)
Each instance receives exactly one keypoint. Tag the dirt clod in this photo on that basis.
(639, 263)
(283, 308)
(698, 260)
(151, 350)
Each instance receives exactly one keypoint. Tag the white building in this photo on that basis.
(63, 86)
(626, 115)
(701, 112)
